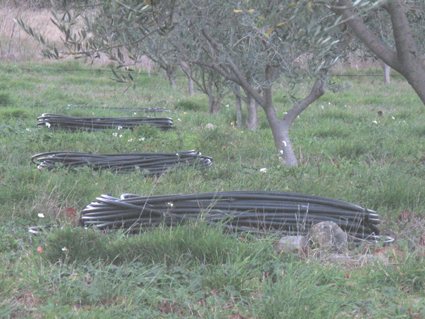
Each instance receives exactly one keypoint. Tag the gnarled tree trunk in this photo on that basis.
(251, 121)
(171, 71)
(280, 127)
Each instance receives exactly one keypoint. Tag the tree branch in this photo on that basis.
(241, 79)
(405, 44)
(316, 92)
(365, 34)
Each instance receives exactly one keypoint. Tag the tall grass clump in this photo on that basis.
(196, 242)
(191, 105)
(299, 294)
(5, 99)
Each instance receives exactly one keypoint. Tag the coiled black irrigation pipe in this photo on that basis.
(148, 163)
(241, 211)
(73, 123)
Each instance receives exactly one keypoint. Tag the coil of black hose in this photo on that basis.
(148, 163)
(74, 123)
(240, 211)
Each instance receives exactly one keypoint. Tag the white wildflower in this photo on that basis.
(120, 135)
(393, 117)
(210, 126)
(48, 124)
(227, 105)
(179, 120)
(130, 140)
(263, 170)
(375, 122)
(40, 215)
(115, 134)
(28, 129)
(141, 139)
(119, 128)
(64, 249)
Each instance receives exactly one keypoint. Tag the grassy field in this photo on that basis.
(346, 150)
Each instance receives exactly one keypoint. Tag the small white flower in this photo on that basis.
(130, 140)
(263, 170)
(120, 135)
(329, 103)
(119, 128)
(393, 117)
(285, 112)
(65, 249)
(375, 122)
(179, 120)
(135, 113)
(322, 106)
(28, 129)
(227, 105)
(40, 215)
(281, 152)
(48, 124)
(115, 134)
(141, 139)
(210, 126)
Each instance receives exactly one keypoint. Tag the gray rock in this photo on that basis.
(291, 243)
(328, 236)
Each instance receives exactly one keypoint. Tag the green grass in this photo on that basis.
(346, 151)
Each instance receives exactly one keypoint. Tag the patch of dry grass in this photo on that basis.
(15, 44)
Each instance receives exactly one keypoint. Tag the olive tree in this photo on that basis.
(257, 44)
(253, 43)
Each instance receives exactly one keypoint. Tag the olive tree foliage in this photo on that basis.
(157, 49)
(160, 49)
(91, 28)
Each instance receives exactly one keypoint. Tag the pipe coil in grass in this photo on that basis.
(74, 123)
(240, 211)
(148, 163)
